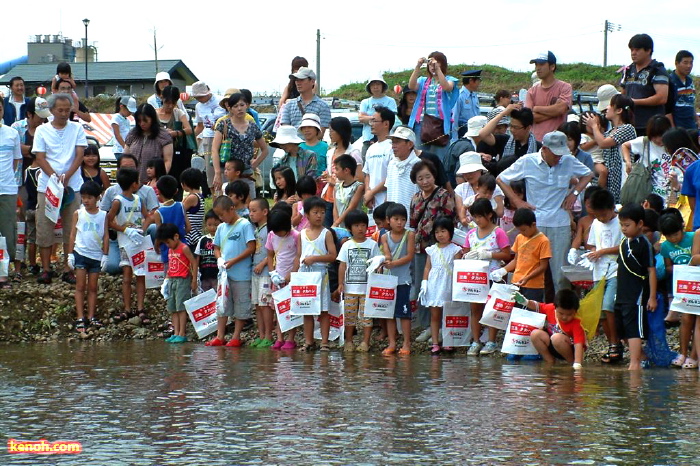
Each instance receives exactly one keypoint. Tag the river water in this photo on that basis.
(152, 403)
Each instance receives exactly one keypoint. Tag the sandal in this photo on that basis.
(388, 351)
(613, 355)
(308, 347)
(120, 316)
(678, 361)
(325, 348)
(145, 320)
(404, 352)
(5, 285)
(95, 323)
(17, 278)
(81, 324)
(435, 350)
(690, 363)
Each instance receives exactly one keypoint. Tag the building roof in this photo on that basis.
(100, 71)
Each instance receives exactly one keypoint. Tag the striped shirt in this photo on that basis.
(399, 187)
(196, 216)
(292, 115)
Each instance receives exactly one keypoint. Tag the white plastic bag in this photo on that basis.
(4, 258)
(222, 292)
(58, 231)
(456, 319)
(499, 306)
(380, 301)
(155, 269)
(21, 241)
(282, 299)
(305, 288)
(522, 323)
(202, 312)
(470, 281)
(686, 289)
(137, 255)
(337, 329)
(54, 197)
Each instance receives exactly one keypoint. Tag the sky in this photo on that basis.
(252, 46)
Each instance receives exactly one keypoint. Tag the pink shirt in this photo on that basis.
(537, 96)
(285, 249)
(494, 242)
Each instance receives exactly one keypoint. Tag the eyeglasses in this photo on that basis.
(515, 127)
(373, 121)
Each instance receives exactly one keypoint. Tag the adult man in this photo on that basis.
(467, 105)
(376, 88)
(378, 156)
(547, 175)
(59, 147)
(549, 99)
(15, 103)
(645, 81)
(207, 111)
(10, 158)
(683, 114)
(511, 147)
(36, 111)
(399, 187)
(79, 110)
(307, 102)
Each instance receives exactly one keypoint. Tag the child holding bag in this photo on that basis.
(436, 287)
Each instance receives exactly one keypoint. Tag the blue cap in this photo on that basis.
(545, 57)
(471, 74)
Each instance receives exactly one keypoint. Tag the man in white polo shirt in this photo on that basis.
(10, 162)
(207, 112)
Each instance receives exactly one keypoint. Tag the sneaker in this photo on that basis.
(424, 335)
(489, 348)
(215, 342)
(513, 357)
(277, 345)
(44, 279)
(289, 345)
(474, 349)
(363, 347)
(264, 343)
(255, 343)
(170, 340)
(234, 343)
(179, 339)
(435, 350)
(34, 269)
(68, 277)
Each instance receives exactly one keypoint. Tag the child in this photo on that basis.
(204, 252)
(306, 188)
(603, 241)
(677, 250)
(485, 242)
(583, 226)
(191, 182)
(564, 337)
(182, 278)
(348, 191)
(90, 169)
(238, 191)
(636, 282)
(88, 250)
(310, 128)
(654, 202)
(232, 170)
(260, 280)
(352, 277)
(121, 126)
(286, 185)
(63, 72)
(282, 259)
(506, 221)
(436, 287)
(485, 187)
(126, 216)
(381, 221)
(234, 246)
(170, 211)
(589, 145)
(31, 178)
(399, 247)
(155, 169)
(532, 252)
(316, 252)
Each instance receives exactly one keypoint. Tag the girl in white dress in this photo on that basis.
(436, 287)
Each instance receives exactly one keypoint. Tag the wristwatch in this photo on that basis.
(575, 192)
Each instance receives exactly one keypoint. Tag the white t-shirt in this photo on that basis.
(9, 152)
(465, 191)
(59, 146)
(376, 162)
(124, 128)
(603, 236)
(355, 256)
(18, 107)
(145, 193)
(660, 163)
(207, 113)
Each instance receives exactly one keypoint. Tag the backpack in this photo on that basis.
(457, 148)
(638, 184)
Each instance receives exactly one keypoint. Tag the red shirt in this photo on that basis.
(572, 329)
(178, 263)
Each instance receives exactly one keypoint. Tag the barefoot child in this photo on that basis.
(260, 281)
(182, 278)
(316, 252)
(399, 247)
(564, 337)
(87, 253)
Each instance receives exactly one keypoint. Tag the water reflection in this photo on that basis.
(151, 403)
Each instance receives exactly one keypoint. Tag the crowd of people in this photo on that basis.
(530, 188)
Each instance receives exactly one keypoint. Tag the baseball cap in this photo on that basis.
(41, 108)
(404, 132)
(556, 142)
(129, 103)
(545, 57)
(605, 94)
(304, 73)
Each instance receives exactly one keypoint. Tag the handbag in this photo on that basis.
(638, 184)
(432, 129)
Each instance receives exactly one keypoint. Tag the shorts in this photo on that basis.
(631, 321)
(89, 265)
(45, 234)
(609, 294)
(554, 352)
(208, 283)
(355, 311)
(238, 302)
(534, 294)
(403, 302)
(260, 290)
(124, 258)
(30, 225)
(179, 291)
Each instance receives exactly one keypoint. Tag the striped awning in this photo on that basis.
(101, 127)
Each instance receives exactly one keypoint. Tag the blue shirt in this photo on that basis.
(467, 106)
(448, 102)
(368, 105)
(684, 106)
(174, 214)
(585, 158)
(691, 187)
(233, 240)
(679, 254)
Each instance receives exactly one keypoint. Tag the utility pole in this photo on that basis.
(155, 48)
(318, 61)
(609, 27)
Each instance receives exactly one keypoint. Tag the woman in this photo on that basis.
(340, 131)
(177, 124)
(429, 203)
(290, 92)
(239, 134)
(620, 112)
(162, 81)
(436, 95)
(408, 98)
(650, 151)
(147, 140)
